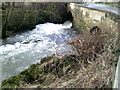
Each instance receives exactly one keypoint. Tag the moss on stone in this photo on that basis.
(10, 86)
(14, 81)
(25, 76)
(34, 72)
(46, 58)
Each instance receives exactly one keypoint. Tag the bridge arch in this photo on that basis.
(69, 16)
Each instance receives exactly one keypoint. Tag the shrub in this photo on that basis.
(88, 45)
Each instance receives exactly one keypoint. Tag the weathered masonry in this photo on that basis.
(85, 18)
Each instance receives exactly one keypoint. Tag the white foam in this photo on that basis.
(67, 24)
(25, 51)
(49, 28)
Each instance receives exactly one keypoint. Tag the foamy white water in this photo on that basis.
(22, 50)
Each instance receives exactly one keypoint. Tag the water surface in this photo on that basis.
(20, 51)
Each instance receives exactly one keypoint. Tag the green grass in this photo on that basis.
(82, 3)
(110, 4)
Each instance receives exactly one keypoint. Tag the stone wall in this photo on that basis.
(85, 18)
(22, 16)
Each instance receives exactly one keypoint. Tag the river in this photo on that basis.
(20, 51)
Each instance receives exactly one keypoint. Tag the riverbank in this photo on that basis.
(70, 71)
(62, 73)
(20, 51)
(91, 66)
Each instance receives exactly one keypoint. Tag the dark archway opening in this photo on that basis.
(69, 16)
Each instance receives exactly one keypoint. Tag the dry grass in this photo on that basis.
(89, 45)
(91, 67)
(97, 60)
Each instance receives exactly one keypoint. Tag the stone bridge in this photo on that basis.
(85, 17)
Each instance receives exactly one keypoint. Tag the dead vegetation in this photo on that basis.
(89, 45)
(92, 65)
(97, 59)
(95, 62)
